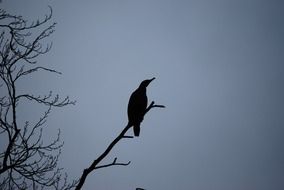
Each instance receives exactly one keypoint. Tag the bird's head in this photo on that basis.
(145, 83)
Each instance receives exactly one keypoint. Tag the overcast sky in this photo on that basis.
(219, 68)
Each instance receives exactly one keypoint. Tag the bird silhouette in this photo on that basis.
(137, 106)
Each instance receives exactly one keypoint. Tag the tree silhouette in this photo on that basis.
(25, 161)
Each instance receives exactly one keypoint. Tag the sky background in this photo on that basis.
(219, 68)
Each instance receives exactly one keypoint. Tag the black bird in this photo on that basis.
(137, 106)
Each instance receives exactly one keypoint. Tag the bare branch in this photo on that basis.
(122, 135)
(22, 72)
(48, 100)
(153, 105)
(127, 137)
(114, 163)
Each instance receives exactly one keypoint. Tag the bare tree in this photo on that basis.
(26, 162)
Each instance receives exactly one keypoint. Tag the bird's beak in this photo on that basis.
(152, 79)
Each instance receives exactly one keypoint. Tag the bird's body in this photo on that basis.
(137, 106)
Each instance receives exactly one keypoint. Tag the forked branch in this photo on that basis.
(122, 135)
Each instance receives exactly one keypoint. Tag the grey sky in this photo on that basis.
(220, 72)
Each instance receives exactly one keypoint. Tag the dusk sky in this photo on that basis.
(219, 68)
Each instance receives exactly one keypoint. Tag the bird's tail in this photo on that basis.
(136, 129)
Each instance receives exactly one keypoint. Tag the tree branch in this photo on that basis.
(122, 135)
(22, 73)
(55, 102)
(114, 163)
